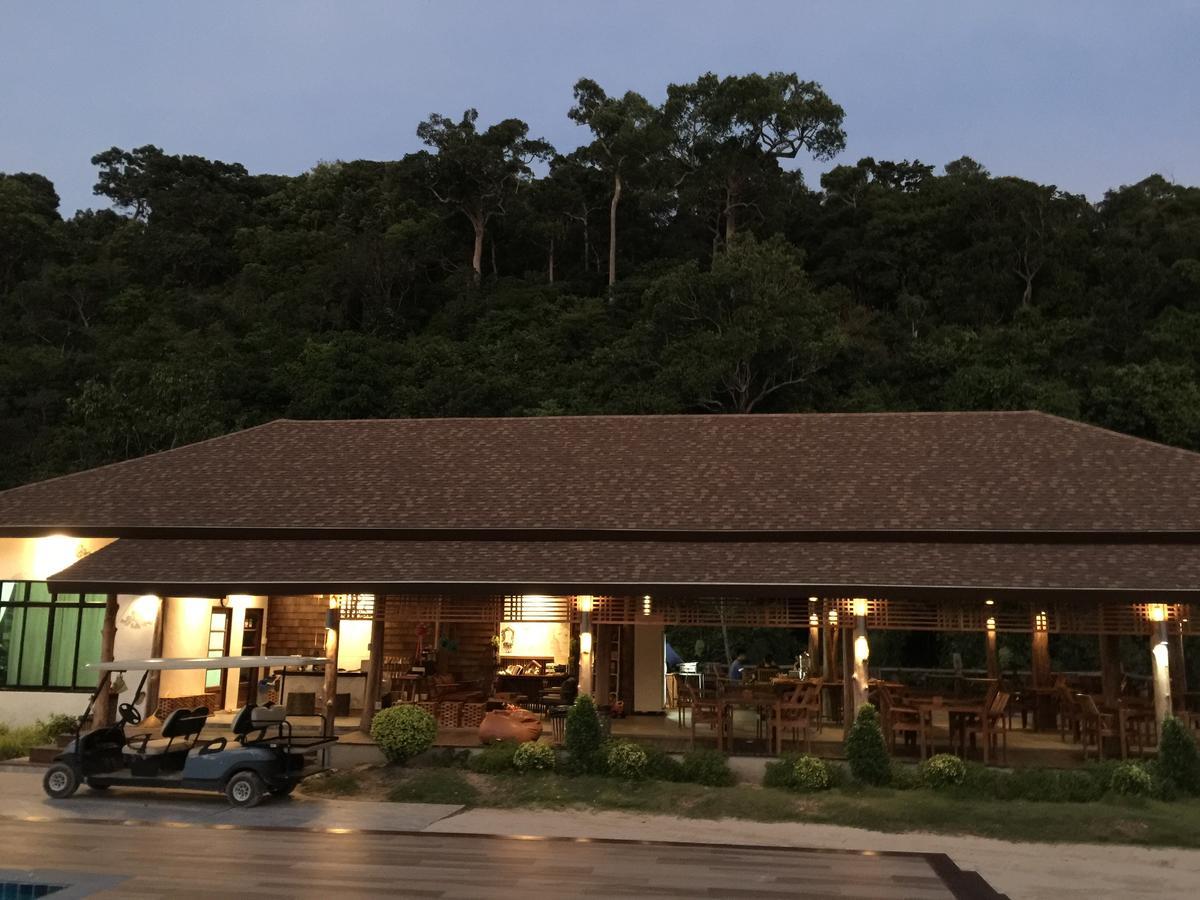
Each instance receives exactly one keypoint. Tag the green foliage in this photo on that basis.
(534, 756)
(944, 770)
(16, 742)
(582, 736)
(54, 725)
(495, 758)
(334, 784)
(625, 760)
(434, 786)
(811, 774)
(709, 767)
(403, 732)
(661, 765)
(1131, 780)
(866, 750)
(780, 773)
(906, 777)
(1179, 757)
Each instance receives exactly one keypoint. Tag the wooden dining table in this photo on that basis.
(731, 701)
(958, 712)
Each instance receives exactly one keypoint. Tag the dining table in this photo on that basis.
(959, 711)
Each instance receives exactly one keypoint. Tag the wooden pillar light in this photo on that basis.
(861, 650)
(993, 655)
(1160, 660)
(583, 603)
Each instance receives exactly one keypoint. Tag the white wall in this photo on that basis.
(649, 681)
(539, 639)
(238, 604)
(185, 634)
(36, 559)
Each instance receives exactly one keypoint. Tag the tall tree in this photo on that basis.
(627, 134)
(476, 172)
(729, 133)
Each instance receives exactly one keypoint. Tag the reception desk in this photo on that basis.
(300, 681)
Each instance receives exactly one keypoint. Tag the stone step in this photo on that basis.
(44, 755)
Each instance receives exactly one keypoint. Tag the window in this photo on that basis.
(218, 627)
(48, 639)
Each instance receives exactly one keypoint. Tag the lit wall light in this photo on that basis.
(862, 650)
(54, 553)
(1161, 656)
(991, 623)
(646, 605)
(1041, 622)
(989, 602)
(585, 642)
(814, 620)
(833, 618)
(584, 603)
(812, 599)
(860, 606)
(1157, 612)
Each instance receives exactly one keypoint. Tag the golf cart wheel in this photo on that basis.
(60, 781)
(245, 789)
(284, 791)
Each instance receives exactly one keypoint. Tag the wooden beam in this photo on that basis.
(154, 682)
(848, 692)
(374, 663)
(1178, 668)
(993, 655)
(814, 649)
(1110, 668)
(333, 629)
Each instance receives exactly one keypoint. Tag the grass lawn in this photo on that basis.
(1127, 821)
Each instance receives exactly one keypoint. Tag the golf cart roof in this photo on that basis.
(207, 662)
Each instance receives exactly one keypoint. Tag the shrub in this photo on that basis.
(811, 774)
(495, 758)
(943, 771)
(57, 724)
(449, 758)
(583, 737)
(708, 767)
(906, 777)
(865, 749)
(1131, 780)
(662, 766)
(403, 731)
(781, 773)
(534, 756)
(624, 760)
(1178, 756)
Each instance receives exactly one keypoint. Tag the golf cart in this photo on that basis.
(262, 756)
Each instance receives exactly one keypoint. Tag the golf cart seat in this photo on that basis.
(178, 727)
(257, 720)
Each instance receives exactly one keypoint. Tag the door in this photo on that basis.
(251, 646)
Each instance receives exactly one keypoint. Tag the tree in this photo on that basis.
(475, 172)
(750, 328)
(627, 133)
(730, 133)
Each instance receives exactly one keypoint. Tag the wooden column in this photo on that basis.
(156, 648)
(993, 655)
(858, 653)
(1046, 715)
(102, 713)
(1110, 668)
(1178, 669)
(848, 689)
(830, 643)
(333, 629)
(590, 673)
(374, 664)
(1160, 668)
(814, 649)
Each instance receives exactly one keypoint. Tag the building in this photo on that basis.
(557, 537)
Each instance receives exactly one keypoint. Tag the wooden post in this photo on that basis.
(1178, 669)
(156, 648)
(102, 713)
(333, 628)
(587, 655)
(993, 655)
(858, 653)
(374, 664)
(1045, 717)
(848, 689)
(1110, 669)
(830, 668)
(814, 649)
(1160, 668)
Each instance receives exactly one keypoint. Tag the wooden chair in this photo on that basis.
(991, 726)
(903, 720)
(1095, 726)
(1069, 712)
(800, 712)
(705, 711)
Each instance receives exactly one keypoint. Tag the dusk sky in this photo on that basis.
(1085, 95)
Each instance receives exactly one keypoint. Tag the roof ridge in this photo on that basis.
(1088, 426)
(688, 416)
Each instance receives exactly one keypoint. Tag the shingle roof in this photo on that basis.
(1025, 472)
(228, 566)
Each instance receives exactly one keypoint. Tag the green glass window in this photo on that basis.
(48, 639)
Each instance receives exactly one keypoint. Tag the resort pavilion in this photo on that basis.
(454, 562)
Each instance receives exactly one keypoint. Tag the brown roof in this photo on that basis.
(183, 566)
(588, 476)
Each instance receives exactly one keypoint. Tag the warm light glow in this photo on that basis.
(585, 642)
(812, 599)
(991, 623)
(862, 650)
(584, 602)
(814, 620)
(1041, 622)
(989, 602)
(239, 601)
(833, 617)
(1161, 656)
(860, 606)
(646, 605)
(1157, 612)
(54, 553)
(144, 609)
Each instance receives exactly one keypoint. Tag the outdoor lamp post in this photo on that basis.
(1160, 660)
(862, 651)
(584, 603)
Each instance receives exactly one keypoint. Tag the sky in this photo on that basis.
(1085, 95)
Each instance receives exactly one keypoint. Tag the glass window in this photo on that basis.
(48, 639)
(218, 625)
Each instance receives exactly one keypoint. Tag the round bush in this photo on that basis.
(707, 767)
(626, 761)
(866, 750)
(944, 770)
(534, 757)
(403, 731)
(1131, 780)
(811, 774)
(582, 737)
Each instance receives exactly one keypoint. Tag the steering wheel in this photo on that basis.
(129, 714)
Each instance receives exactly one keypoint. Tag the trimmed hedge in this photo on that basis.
(944, 771)
(1178, 757)
(709, 767)
(583, 735)
(534, 756)
(402, 732)
(866, 750)
(624, 760)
